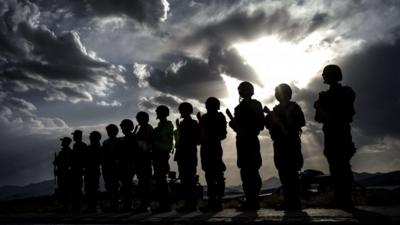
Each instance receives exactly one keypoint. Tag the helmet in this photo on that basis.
(95, 135)
(112, 129)
(212, 103)
(142, 116)
(283, 92)
(246, 89)
(126, 124)
(332, 73)
(185, 107)
(66, 140)
(162, 111)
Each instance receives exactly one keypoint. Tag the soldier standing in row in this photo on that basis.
(163, 144)
(77, 156)
(62, 164)
(248, 121)
(213, 131)
(127, 154)
(144, 137)
(109, 163)
(92, 170)
(335, 110)
(186, 155)
(284, 124)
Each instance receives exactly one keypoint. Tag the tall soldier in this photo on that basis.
(186, 155)
(247, 123)
(127, 153)
(284, 124)
(213, 131)
(335, 110)
(109, 163)
(92, 170)
(62, 164)
(162, 147)
(145, 144)
(77, 156)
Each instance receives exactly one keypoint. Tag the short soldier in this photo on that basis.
(284, 124)
(127, 154)
(213, 131)
(335, 110)
(77, 157)
(144, 137)
(248, 121)
(109, 163)
(162, 147)
(186, 155)
(92, 170)
(62, 164)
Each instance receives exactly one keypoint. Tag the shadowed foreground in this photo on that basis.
(375, 215)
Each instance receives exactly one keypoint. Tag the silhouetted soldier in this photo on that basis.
(213, 131)
(77, 156)
(162, 147)
(335, 110)
(145, 142)
(127, 154)
(62, 163)
(247, 123)
(109, 166)
(92, 170)
(186, 155)
(284, 124)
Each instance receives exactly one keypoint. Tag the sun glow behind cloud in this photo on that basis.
(277, 61)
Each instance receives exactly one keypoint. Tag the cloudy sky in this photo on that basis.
(87, 63)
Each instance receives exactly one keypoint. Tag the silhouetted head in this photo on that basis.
(212, 104)
(332, 74)
(126, 126)
(77, 135)
(162, 112)
(246, 89)
(112, 130)
(95, 137)
(65, 141)
(283, 93)
(142, 118)
(185, 109)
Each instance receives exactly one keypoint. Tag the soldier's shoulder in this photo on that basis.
(348, 90)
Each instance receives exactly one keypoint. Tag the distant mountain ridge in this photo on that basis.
(47, 187)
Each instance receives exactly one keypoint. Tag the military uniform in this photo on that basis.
(62, 162)
(92, 174)
(127, 154)
(186, 158)
(285, 130)
(109, 166)
(143, 164)
(335, 109)
(213, 130)
(163, 144)
(77, 157)
(249, 121)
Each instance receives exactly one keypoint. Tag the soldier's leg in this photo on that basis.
(189, 184)
(161, 169)
(144, 176)
(251, 182)
(76, 192)
(342, 178)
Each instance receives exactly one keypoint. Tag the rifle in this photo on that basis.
(232, 123)
(275, 120)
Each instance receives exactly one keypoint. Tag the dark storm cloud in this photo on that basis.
(36, 58)
(145, 11)
(188, 78)
(151, 103)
